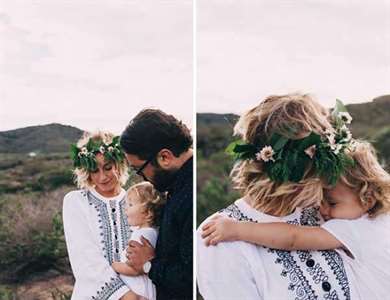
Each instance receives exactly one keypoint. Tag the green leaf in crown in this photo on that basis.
(85, 157)
(287, 159)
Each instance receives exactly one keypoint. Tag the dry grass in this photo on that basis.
(31, 234)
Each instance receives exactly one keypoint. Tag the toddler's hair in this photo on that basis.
(368, 178)
(152, 199)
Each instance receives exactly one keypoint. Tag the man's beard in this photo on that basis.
(163, 179)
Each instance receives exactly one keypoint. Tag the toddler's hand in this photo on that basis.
(219, 229)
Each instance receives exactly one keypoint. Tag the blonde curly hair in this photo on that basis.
(152, 199)
(82, 177)
(368, 179)
(294, 116)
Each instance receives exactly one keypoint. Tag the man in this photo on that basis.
(158, 148)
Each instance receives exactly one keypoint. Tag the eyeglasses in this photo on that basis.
(139, 170)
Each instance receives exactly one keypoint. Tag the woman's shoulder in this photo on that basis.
(75, 198)
(76, 194)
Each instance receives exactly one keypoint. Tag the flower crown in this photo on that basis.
(286, 159)
(85, 157)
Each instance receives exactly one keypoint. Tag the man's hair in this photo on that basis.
(152, 130)
(293, 116)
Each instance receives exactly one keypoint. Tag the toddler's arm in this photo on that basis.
(273, 235)
(124, 269)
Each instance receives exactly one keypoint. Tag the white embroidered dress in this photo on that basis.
(96, 232)
(240, 270)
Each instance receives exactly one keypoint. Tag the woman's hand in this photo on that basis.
(219, 229)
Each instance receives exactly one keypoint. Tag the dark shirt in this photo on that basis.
(171, 270)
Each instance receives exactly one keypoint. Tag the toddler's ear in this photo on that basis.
(149, 216)
(370, 202)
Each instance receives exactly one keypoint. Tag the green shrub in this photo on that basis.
(216, 194)
(60, 295)
(6, 293)
(44, 251)
(381, 142)
(31, 235)
(55, 179)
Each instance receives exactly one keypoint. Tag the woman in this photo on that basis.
(95, 225)
(280, 180)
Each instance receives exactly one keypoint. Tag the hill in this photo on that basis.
(371, 117)
(214, 131)
(49, 138)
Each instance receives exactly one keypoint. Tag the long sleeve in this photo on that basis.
(224, 273)
(95, 279)
(175, 274)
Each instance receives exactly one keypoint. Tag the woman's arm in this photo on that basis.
(124, 269)
(273, 235)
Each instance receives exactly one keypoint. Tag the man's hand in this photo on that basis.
(138, 254)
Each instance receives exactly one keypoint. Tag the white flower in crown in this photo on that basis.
(266, 154)
(310, 151)
(346, 133)
(102, 149)
(84, 150)
(345, 117)
(110, 149)
(329, 132)
(337, 148)
(331, 139)
(352, 145)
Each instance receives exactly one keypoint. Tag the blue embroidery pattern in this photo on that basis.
(336, 264)
(115, 283)
(298, 282)
(234, 212)
(109, 289)
(114, 219)
(105, 225)
(125, 227)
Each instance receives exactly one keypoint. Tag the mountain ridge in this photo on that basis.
(48, 138)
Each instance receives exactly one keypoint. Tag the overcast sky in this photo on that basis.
(250, 49)
(94, 63)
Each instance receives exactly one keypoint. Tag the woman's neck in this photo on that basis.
(109, 194)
